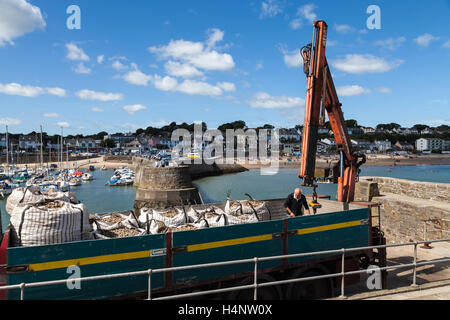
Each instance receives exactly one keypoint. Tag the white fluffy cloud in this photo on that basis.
(101, 96)
(183, 70)
(18, 17)
(305, 12)
(295, 24)
(365, 63)
(81, 68)
(266, 101)
(350, 91)
(343, 28)
(96, 109)
(446, 44)
(168, 83)
(227, 86)
(292, 59)
(193, 87)
(270, 8)
(9, 121)
(75, 53)
(51, 115)
(63, 124)
(119, 66)
(383, 90)
(165, 83)
(132, 109)
(100, 59)
(390, 43)
(197, 54)
(56, 92)
(137, 77)
(214, 35)
(29, 91)
(425, 39)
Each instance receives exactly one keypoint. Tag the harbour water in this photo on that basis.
(100, 198)
(95, 195)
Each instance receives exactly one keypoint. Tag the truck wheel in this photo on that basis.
(264, 293)
(308, 290)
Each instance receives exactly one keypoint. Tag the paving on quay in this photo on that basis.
(433, 281)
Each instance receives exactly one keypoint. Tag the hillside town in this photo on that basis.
(384, 138)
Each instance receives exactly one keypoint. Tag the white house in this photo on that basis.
(29, 142)
(289, 134)
(329, 142)
(428, 144)
(368, 130)
(363, 144)
(383, 145)
(427, 131)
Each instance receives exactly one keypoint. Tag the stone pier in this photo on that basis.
(410, 210)
(164, 187)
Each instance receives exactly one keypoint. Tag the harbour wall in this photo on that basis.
(122, 158)
(410, 210)
(196, 171)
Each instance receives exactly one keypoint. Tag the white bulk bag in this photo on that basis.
(32, 195)
(248, 207)
(194, 214)
(54, 222)
(156, 227)
(178, 219)
(27, 195)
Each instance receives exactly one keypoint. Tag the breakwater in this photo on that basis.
(170, 186)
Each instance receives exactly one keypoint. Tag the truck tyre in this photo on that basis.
(264, 293)
(311, 289)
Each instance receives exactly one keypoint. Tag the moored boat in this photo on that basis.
(87, 177)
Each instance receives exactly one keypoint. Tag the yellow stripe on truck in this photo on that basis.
(329, 227)
(225, 243)
(190, 248)
(90, 260)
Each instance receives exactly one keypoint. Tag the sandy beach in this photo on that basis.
(372, 160)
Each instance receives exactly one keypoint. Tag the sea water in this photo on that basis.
(100, 198)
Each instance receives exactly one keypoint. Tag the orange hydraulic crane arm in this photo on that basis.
(321, 96)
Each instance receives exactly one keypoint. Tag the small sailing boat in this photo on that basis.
(74, 182)
(87, 177)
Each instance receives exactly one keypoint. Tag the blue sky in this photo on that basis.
(139, 63)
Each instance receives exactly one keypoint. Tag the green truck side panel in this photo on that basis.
(354, 236)
(264, 248)
(348, 237)
(82, 249)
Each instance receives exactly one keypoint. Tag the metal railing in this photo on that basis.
(256, 260)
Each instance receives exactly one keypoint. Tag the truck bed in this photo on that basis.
(277, 235)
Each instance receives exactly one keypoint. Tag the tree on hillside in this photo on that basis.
(420, 127)
(388, 126)
(109, 143)
(443, 128)
(233, 125)
(139, 131)
(351, 123)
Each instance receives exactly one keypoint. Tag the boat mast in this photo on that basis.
(42, 156)
(61, 149)
(7, 149)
